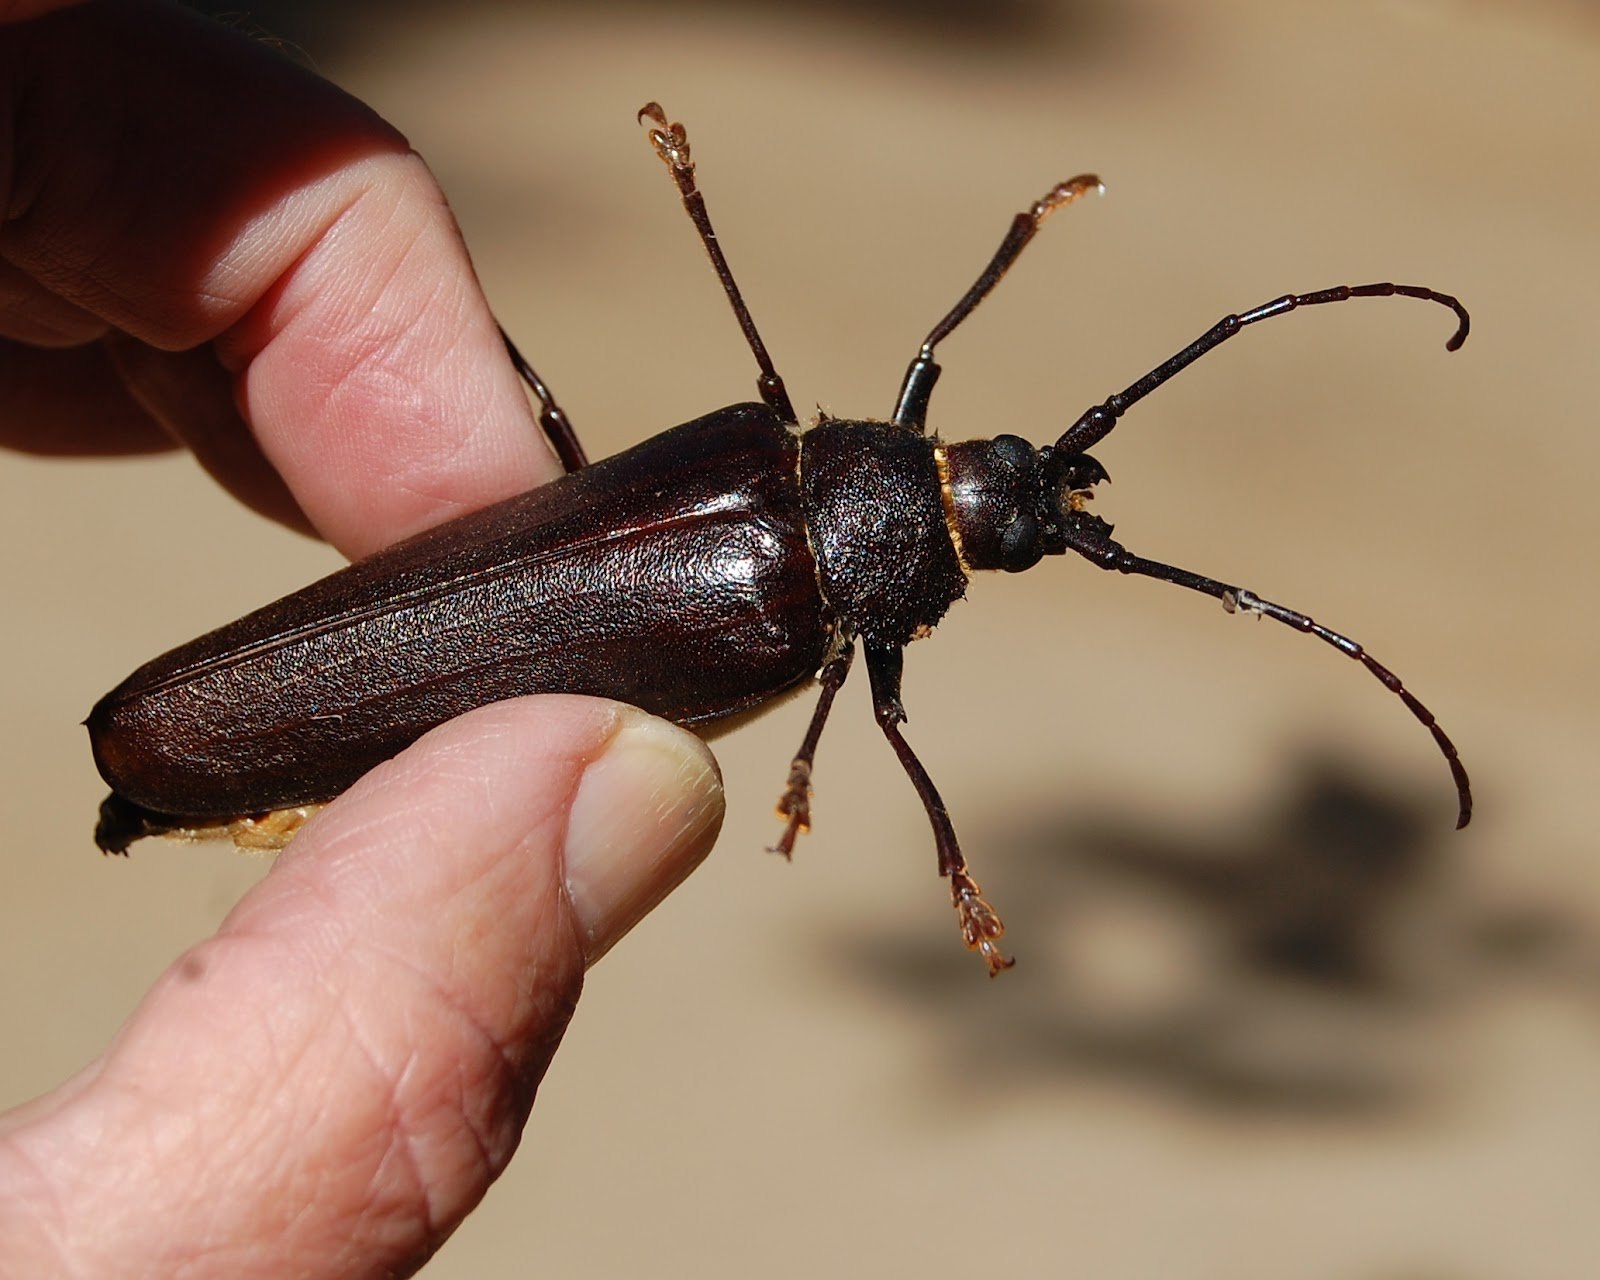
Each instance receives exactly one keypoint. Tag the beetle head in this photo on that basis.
(1010, 504)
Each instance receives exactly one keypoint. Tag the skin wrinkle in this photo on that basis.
(410, 1139)
(288, 1054)
(84, 276)
(360, 351)
(291, 1053)
(421, 477)
(512, 1091)
(294, 308)
(393, 959)
(378, 276)
(295, 217)
(234, 348)
(381, 370)
(48, 318)
(294, 1063)
(388, 1200)
(323, 923)
(49, 1212)
(406, 1130)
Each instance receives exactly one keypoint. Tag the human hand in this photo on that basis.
(206, 244)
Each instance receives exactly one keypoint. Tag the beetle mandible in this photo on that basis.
(698, 575)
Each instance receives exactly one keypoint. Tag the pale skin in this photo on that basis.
(205, 246)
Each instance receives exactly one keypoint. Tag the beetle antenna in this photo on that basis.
(911, 406)
(1097, 423)
(1090, 538)
(671, 143)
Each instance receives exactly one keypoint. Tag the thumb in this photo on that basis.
(330, 1083)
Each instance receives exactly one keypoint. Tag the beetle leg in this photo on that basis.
(794, 805)
(1091, 539)
(671, 143)
(981, 926)
(911, 407)
(553, 420)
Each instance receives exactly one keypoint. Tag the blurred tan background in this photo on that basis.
(1271, 1017)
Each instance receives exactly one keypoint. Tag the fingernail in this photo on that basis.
(646, 813)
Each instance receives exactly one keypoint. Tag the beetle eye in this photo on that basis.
(1019, 545)
(1013, 452)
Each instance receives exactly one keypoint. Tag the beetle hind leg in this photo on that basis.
(553, 420)
(981, 926)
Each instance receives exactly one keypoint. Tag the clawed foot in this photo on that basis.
(670, 139)
(981, 926)
(794, 807)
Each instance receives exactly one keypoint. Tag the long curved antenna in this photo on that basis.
(1092, 541)
(1097, 423)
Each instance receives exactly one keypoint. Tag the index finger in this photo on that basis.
(186, 186)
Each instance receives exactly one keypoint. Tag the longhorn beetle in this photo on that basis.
(698, 575)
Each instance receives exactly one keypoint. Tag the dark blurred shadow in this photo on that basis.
(1301, 894)
(975, 27)
(1308, 959)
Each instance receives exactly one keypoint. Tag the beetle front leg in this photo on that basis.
(981, 926)
(795, 804)
(911, 405)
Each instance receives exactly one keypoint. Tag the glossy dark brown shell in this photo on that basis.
(676, 576)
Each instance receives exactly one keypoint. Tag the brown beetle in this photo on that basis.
(697, 575)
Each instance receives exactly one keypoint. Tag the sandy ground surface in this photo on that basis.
(1271, 1017)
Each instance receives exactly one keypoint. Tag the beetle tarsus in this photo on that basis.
(794, 807)
(981, 926)
(1064, 193)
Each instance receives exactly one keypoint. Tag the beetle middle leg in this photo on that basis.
(981, 926)
(794, 805)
